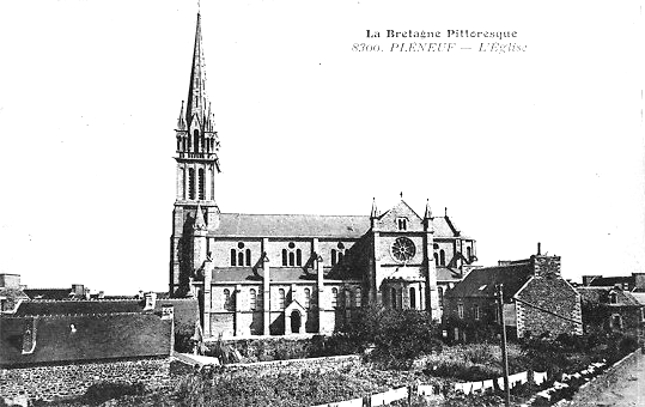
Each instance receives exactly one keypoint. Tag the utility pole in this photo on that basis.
(500, 302)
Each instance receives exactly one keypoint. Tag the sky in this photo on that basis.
(544, 145)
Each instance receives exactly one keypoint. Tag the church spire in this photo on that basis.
(196, 104)
(428, 213)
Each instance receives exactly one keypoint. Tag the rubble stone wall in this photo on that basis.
(61, 381)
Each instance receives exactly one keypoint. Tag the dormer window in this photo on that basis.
(613, 298)
(402, 223)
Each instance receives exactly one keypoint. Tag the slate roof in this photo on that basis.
(481, 282)
(638, 296)
(105, 329)
(257, 225)
(299, 226)
(612, 281)
(46, 307)
(103, 337)
(48, 293)
(600, 295)
(448, 274)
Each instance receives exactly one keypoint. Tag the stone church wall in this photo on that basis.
(50, 382)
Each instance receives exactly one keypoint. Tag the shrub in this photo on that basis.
(397, 336)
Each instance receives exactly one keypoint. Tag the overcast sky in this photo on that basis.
(544, 145)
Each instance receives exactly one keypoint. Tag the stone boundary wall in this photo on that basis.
(296, 365)
(48, 383)
(589, 392)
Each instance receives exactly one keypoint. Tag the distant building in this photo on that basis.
(11, 292)
(262, 274)
(635, 282)
(611, 309)
(537, 300)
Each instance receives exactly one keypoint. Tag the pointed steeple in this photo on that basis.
(200, 223)
(181, 122)
(196, 103)
(374, 213)
(428, 213)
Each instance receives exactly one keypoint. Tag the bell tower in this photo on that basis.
(197, 165)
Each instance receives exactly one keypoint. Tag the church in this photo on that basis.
(266, 274)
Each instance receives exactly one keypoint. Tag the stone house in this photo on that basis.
(263, 274)
(537, 300)
(611, 309)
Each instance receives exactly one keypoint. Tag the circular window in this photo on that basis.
(341, 246)
(291, 245)
(240, 245)
(403, 249)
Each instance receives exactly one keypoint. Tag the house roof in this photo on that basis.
(481, 282)
(639, 296)
(625, 281)
(93, 337)
(104, 329)
(48, 293)
(298, 226)
(71, 307)
(600, 295)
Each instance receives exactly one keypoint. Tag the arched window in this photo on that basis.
(334, 259)
(442, 258)
(291, 256)
(239, 256)
(436, 259)
(413, 298)
(469, 253)
(440, 291)
(476, 312)
(253, 296)
(460, 310)
(348, 298)
(228, 300)
(202, 184)
(191, 183)
(307, 298)
(358, 297)
(337, 254)
(393, 298)
(402, 223)
(616, 322)
(334, 297)
(196, 140)
(281, 298)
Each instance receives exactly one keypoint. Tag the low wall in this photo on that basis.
(296, 365)
(53, 382)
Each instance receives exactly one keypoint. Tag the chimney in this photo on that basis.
(101, 295)
(151, 301)
(539, 252)
(546, 266)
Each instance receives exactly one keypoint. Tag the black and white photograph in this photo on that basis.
(322, 204)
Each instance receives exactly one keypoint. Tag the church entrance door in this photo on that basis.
(295, 322)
